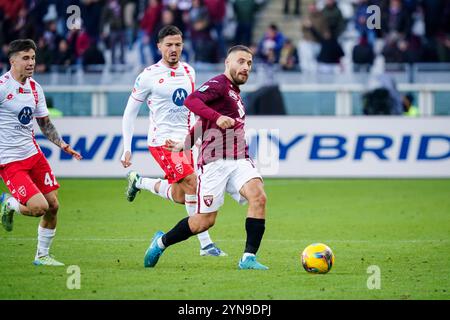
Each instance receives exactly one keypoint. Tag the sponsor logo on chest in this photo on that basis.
(23, 91)
(25, 115)
(178, 96)
(233, 95)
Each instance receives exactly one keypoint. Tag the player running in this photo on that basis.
(224, 162)
(165, 86)
(23, 166)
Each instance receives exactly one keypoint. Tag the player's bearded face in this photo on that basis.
(240, 65)
(23, 62)
(171, 47)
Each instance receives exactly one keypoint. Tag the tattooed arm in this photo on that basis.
(49, 130)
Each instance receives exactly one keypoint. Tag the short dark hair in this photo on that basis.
(169, 30)
(410, 97)
(20, 45)
(273, 26)
(239, 47)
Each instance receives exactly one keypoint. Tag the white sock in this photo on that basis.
(45, 238)
(148, 184)
(13, 204)
(246, 254)
(165, 190)
(160, 243)
(190, 202)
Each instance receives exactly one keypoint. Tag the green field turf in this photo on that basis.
(402, 226)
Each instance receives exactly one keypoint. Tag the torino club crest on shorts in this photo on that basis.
(208, 200)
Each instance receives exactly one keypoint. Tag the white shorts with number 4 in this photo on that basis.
(220, 176)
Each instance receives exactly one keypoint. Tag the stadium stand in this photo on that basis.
(117, 37)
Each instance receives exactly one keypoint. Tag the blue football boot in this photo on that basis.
(251, 263)
(153, 252)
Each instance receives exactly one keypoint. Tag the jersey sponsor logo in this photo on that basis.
(178, 96)
(25, 115)
(23, 91)
(208, 200)
(233, 95)
(179, 168)
(175, 74)
(177, 111)
(23, 127)
(203, 89)
(22, 191)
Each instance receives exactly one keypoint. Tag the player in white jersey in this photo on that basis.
(23, 166)
(164, 87)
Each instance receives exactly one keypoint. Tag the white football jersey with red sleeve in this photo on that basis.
(19, 104)
(164, 90)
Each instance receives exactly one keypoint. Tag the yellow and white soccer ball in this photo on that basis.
(317, 258)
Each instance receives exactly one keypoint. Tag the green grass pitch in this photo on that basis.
(401, 226)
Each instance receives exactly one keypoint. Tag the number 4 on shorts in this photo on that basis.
(48, 180)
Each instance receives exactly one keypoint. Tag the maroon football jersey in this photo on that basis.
(219, 96)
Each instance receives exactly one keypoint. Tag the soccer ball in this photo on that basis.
(317, 258)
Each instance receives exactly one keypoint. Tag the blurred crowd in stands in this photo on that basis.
(115, 27)
(411, 31)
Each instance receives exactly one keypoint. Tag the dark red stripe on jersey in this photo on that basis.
(193, 88)
(190, 77)
(35, 94)
(34, 141)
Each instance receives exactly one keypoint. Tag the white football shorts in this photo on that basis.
(220, 176)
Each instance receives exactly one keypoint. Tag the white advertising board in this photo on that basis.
(285, 146)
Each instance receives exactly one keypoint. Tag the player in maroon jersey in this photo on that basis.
(224, 163)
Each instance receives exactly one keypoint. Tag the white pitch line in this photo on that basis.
(242, 240)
